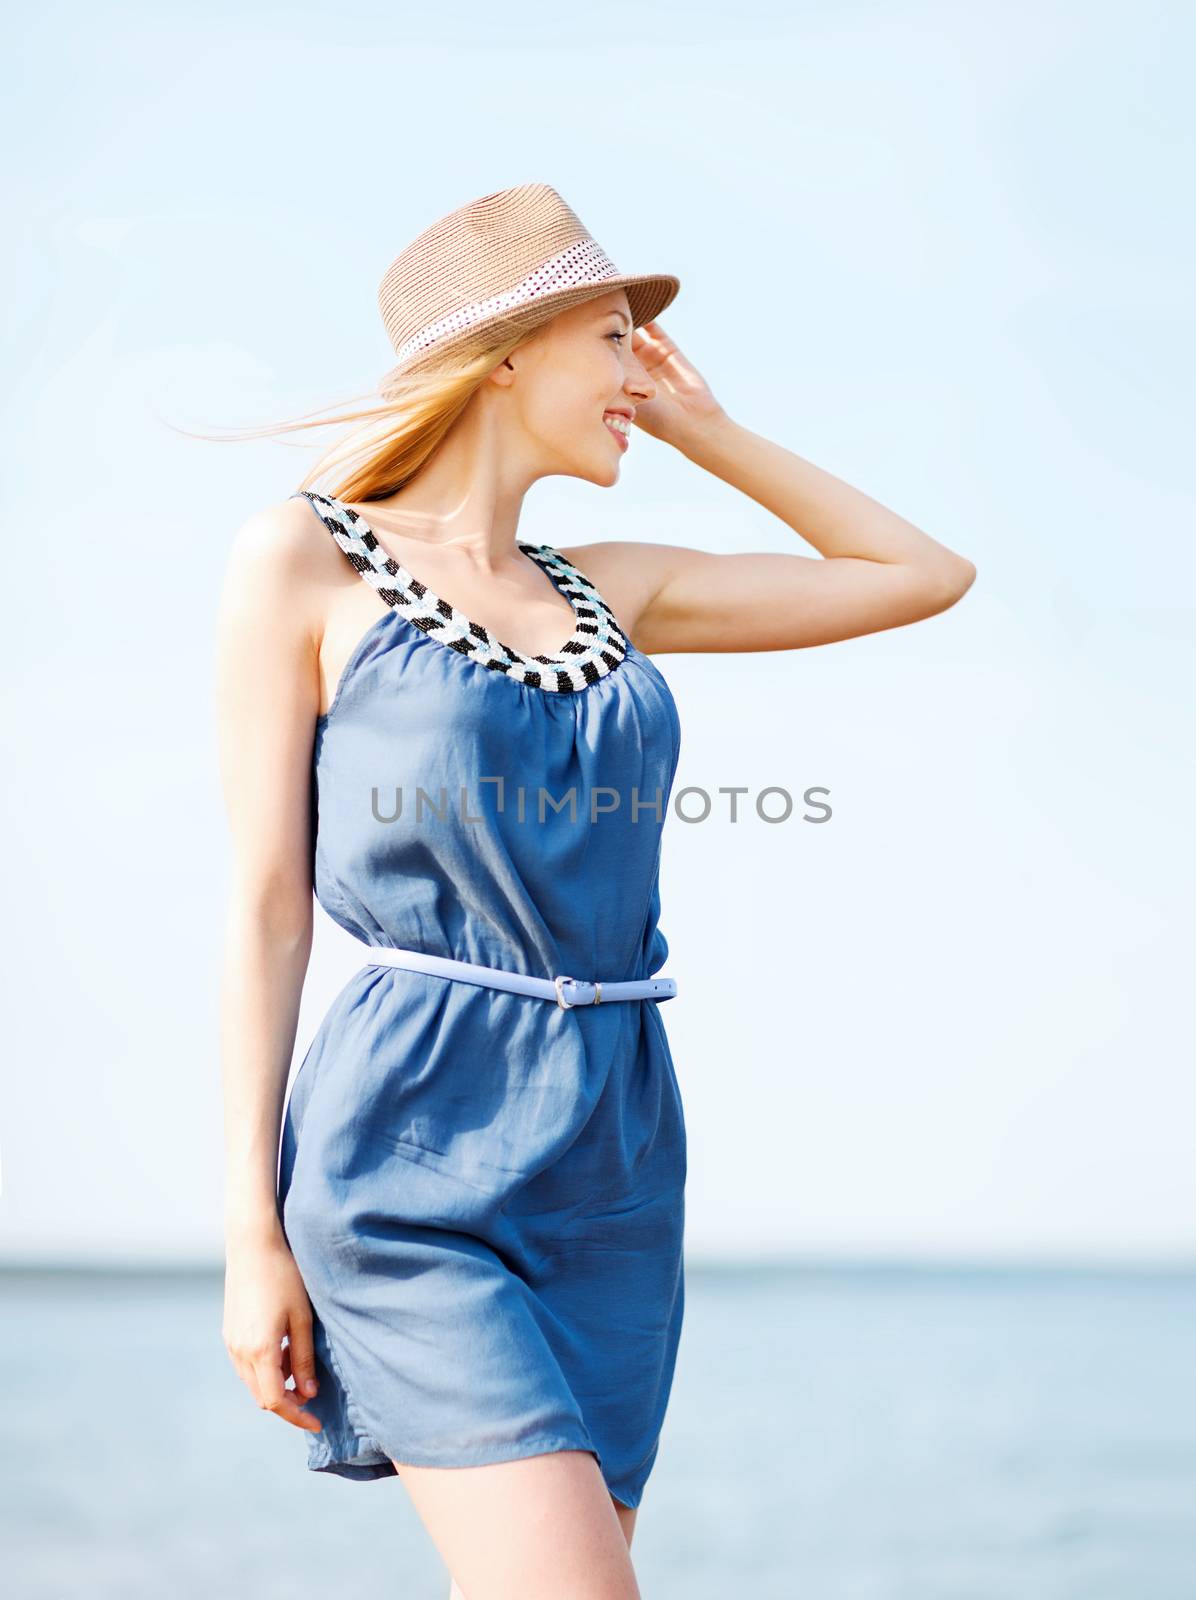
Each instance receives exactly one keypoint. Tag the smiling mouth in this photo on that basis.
(620, 427)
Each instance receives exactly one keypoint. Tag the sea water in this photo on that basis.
(835, 1433)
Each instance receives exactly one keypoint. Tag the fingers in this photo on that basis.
(268, 1334)
(300, 1354)
(273, 1395)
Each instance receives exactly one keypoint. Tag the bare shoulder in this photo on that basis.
(629, 574)
(282, 538)
(281, 558)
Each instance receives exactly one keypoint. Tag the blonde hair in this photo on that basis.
(400, 431)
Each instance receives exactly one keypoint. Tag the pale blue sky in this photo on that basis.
(946, 253)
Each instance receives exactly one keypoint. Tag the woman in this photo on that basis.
(469, 1259)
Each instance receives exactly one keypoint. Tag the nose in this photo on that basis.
(637, 382)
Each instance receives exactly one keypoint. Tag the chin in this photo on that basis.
(604, 476)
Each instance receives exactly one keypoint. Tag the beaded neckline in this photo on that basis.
(596, 647)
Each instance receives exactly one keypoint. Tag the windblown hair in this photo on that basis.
(399, 432)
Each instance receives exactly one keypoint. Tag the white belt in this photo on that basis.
(579, 991)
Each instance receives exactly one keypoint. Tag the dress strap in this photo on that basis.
(582, 593)
(362, 549)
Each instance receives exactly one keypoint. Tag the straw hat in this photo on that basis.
(506, 261)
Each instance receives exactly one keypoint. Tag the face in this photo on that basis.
(571, 383)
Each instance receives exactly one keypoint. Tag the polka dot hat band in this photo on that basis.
(507, 261)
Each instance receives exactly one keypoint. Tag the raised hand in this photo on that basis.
(683, 399)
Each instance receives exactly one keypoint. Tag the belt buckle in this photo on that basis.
(567, 1005)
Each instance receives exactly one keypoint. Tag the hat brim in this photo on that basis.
(648, 294)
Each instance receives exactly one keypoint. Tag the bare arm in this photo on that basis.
(874, 570)
(267, 693)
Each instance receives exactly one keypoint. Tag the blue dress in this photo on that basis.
(483, 1192)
